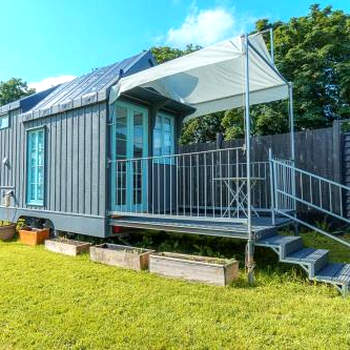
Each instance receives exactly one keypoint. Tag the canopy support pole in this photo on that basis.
(291, 121)
(272, 46)
(250, 244)
(292, 148)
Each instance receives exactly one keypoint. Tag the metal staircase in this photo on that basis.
(290, 249)
(292, 189)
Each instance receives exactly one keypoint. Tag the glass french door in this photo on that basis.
(129, 140)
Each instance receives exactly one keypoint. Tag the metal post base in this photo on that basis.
(249, 262)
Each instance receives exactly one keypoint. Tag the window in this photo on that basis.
(35, 167)
(4, 121)
(163, 137)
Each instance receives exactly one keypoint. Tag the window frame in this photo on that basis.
(3, 116)
(29, 201)
(131, 109)
(162, 130)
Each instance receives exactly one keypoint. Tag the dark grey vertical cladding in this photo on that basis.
(17, 155)
(102, 156)
(58, 164)
(3, 151)
(20, 187)
(85, 160)
(88, 159)
(75, 160)
(63, 169)
(95, 159)
(81, 161)
(51, 175)
(69, 162)
(8, 150)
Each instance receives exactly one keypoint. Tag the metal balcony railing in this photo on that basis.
(297, 189)
(202, 185)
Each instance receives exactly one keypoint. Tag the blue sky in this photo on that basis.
(56, 40)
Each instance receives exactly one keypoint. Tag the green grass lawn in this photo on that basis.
(49, 301)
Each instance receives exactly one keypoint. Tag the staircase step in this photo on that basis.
(292, 246)
(316, 259)
(266, 233)
(286, 244)
(334, 273)
(276, 240)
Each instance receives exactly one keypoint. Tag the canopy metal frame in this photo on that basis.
(249, 261)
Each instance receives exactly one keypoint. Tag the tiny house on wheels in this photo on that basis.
(102, 151)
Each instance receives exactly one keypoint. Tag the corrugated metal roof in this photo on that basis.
(28, 102)
(31, 101)
(96, 83)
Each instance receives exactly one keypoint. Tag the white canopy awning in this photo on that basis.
(213, 79)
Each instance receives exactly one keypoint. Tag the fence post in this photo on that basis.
(219, 140)
(337, 151)
(337, 156)
(273, 217)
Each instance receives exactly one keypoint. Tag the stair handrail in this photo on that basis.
(280, 165)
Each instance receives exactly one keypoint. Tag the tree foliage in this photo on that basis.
(201, 129)
(313, 52)
(166, 53)
(13, 89)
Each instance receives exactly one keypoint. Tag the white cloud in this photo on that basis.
(49, 82)
(204, 27)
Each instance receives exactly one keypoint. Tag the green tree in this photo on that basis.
(201, 129)
(265, 120)
(313, 52)
(233, 124)
(13, 89)
(166, 53)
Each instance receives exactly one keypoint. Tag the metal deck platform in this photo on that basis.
(261, 225)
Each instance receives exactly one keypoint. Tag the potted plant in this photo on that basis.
(7, 231)
(205, 269)
(33, 236)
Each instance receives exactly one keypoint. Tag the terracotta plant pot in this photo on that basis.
(7, 232)
(34, 236)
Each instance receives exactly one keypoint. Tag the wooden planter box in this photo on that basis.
(120, 255)
(7, 232)
(67, 246)
(216, 271)
(34, 236)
